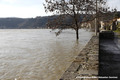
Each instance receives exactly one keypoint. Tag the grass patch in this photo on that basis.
(118, 28)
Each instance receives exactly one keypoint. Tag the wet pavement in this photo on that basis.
(109, 58)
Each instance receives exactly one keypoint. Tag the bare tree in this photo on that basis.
(76, 10)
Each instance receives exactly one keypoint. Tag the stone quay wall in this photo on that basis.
(85, 66)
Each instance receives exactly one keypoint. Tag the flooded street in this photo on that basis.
(37, 54)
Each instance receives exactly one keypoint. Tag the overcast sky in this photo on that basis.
(32, 8)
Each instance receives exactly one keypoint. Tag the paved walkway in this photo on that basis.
(86, 63)
(109, 58)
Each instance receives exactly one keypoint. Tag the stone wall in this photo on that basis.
(85, 66)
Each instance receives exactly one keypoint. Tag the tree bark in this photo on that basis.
(77, 33)
(76, 23)
(77, 29)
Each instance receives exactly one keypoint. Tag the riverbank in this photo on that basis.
(85, 66)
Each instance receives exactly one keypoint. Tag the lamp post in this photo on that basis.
(96, 27)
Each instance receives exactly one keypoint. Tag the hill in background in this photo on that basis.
(23, 23)
(27, 23)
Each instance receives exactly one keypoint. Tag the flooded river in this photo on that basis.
(37, 54)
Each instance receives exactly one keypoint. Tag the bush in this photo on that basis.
(118, 28)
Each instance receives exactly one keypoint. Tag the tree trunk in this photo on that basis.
(76, 23)
(77, 33)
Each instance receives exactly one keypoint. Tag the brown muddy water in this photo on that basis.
(37, 54)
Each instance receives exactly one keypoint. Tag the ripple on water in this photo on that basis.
(37, 54)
